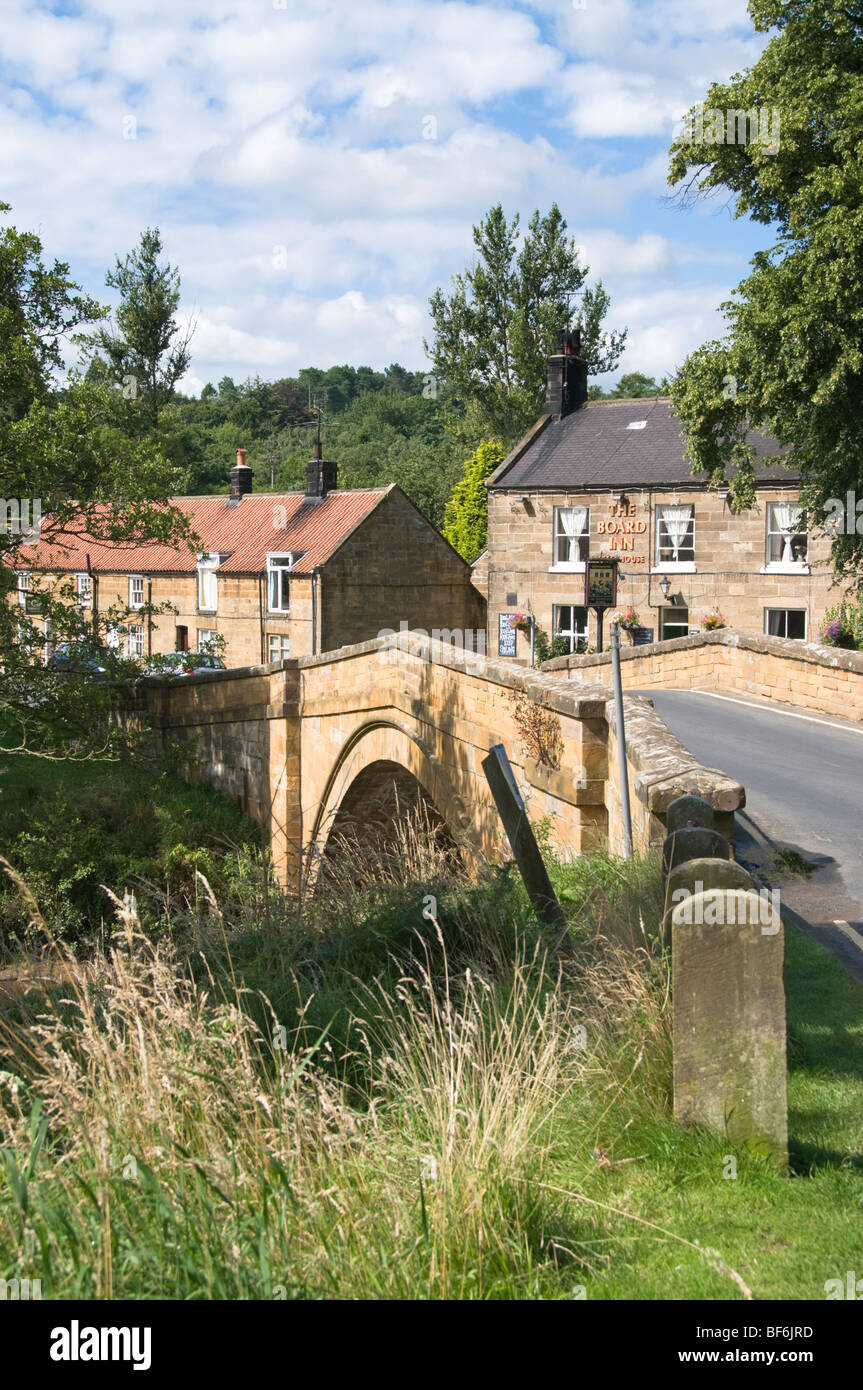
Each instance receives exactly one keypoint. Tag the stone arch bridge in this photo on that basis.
(311, 744)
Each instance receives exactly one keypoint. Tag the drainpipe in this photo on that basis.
(261, 618)
(150, 617)
(315, 614)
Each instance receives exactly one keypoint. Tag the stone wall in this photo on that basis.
(825, 680)
(729, 571)
(394, 568)
(289, 740)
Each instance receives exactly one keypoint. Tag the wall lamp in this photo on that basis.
(665, 585)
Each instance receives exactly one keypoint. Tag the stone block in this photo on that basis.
(689, 810)
(693, 842)
(729, 1019)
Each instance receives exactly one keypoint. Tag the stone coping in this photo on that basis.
(832, 658)
(663, 767)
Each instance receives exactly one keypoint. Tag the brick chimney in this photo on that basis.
(241, 477)
(321, 477)
(566, 389)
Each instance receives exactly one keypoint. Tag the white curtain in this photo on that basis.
(677, 521)
(787, 519)
(572, 522)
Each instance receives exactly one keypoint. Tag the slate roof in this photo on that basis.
(244, 534)
(593, 449)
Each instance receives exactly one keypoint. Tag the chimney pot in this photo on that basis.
(241, 477)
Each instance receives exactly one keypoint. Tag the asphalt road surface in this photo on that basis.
(803, 776)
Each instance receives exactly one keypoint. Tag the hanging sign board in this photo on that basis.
(506, 637)
(600, 583)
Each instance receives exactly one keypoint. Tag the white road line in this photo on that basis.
(767, 709)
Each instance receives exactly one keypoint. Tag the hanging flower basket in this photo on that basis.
(629, 621)
(521, 622)
(713, 622)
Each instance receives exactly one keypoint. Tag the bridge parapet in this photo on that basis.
(826, 680)
(298, 741)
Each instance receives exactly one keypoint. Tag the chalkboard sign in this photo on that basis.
(33, 605)
(505, 635)
(642, 636)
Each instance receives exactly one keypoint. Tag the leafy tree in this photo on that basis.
(791, 361)
(146, 349)
(495, 330)
(62, 448)
(466, 526)
(635, 385)
(39, 307)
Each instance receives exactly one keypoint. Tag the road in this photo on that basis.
(803, 776)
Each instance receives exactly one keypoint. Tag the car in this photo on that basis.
(183, 664)
(82, 658)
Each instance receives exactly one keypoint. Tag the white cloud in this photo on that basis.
(284, 154)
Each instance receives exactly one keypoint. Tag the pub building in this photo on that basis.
(609, 479)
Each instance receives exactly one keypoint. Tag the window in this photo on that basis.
(278, 583)
(673, 622)
(181, 638)
(112, 637)
(207, 583)
(675, 535)
(136, 591)
(571, 537)
(279, 648)
(787, 537)
(23, 586)
(208, 640)
(136, 641)
(85, 588)
(571, 622)
(785, 622)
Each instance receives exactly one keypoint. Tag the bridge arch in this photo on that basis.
(383, 768)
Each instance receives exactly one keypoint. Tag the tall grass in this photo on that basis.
(391, 1119)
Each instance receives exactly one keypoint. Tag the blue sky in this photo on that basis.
(316, 169)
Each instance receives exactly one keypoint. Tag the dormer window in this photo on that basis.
(278, 583)
(208, 582)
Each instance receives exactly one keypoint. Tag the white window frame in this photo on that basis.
(272, 571)
(673, 566)
(571, 633)
(786, 611)
(283, 640)
(783, 566)
(134, 581)
(206, 634)
(671, 609)
(135, 641)
(84, 588)
(583, 542)
(208, 582)
(24, 580)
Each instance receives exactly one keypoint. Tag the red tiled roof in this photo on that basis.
(262, 523)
